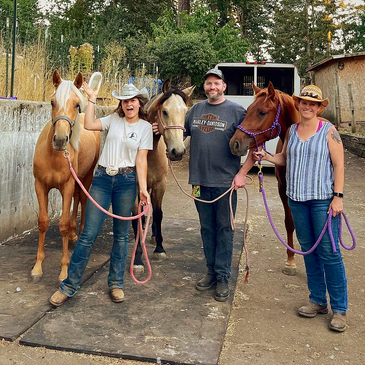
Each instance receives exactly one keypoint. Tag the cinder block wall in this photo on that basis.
(20, 125)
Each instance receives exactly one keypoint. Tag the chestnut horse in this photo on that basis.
(65, 132)
(261, 115)
(168, 109)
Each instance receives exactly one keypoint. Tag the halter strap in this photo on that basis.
(162, 126)
(67, 119)
(253, 135)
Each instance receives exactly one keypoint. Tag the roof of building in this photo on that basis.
(334, 57)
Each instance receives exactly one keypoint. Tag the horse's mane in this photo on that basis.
(62, 94)
(173, 90)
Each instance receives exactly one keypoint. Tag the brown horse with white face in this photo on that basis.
(271, 114)
(169, 110)
(64, 133)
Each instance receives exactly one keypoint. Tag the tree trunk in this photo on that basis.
(183, 5)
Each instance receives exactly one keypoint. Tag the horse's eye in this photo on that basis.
(165, 113)
(262, 113)
(52, 103)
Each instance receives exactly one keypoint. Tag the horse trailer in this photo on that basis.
(240, 76)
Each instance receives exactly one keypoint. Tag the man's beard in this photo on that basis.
(213, 98)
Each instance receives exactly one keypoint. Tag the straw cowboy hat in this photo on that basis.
(311, 93)
(129, 91)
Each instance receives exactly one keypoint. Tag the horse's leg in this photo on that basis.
(138, 266)
(64, 225)
(72, 231)
(154, 233)
(290, 266)
(83, 198)
(43, 223)
(156, 200)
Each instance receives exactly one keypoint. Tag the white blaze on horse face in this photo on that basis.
(173, 113)
(66, 101)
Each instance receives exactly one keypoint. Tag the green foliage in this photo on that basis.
(195, 46)
(180, 55)
(28, 17)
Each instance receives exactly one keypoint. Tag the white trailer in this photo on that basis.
(240, 76)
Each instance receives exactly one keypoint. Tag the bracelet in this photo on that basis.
(92, 102)
(340, 195)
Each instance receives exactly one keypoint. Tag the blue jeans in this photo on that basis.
(325, 269)
(120, 191)
(216, 230)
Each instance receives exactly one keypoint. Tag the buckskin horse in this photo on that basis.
(271, 114)
(64, 133)
(168, 109)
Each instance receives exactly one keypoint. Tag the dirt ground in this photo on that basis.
(263, 326)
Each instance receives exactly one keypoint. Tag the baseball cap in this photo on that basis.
(215, 72)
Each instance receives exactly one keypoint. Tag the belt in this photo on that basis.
(114, 171)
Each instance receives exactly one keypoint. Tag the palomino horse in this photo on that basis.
(169, 110)
(261, 116)
(63, 134)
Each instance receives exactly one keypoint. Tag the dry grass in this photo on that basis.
(33, 77)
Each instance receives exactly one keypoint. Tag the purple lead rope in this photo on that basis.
(326, 226)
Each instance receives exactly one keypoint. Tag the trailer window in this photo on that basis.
(239, 79)
(282, 78)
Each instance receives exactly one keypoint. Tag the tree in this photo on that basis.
(300, 30)
(28, 16)
(180, 44)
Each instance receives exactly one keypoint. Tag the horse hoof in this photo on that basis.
(36, 278)
(159, 256)
(153, 241)
(138, 269)
(290, 270)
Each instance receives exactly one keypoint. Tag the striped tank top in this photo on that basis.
(309, 170)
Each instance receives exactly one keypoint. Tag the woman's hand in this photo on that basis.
(336, 206)
(144, 197)
(260, 155)
(89, 91)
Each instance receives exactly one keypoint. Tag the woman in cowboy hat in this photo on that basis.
(314, 159)
(124, 157)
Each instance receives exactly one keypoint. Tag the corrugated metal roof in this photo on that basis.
(335, 57)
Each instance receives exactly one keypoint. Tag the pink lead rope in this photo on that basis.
(147, 209)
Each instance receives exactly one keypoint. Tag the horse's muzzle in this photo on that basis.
(237, 148)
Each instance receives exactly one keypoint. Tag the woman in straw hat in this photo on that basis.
(314, 159)
(124, 156)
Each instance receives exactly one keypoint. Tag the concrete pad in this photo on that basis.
(167, 318)
(24, 302)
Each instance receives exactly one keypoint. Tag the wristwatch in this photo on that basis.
(340, 195)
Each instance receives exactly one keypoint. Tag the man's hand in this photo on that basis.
(155, 128)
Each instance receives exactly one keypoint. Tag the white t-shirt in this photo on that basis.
(124, 140)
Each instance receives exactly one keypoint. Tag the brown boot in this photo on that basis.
(58, 298)
(312, 309)
(117, 295)
(338, 322)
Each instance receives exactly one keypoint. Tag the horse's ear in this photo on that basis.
(256, 89)
(56, 79)
(166, 86)
(79, 80)
(189, 90)
(271, 90)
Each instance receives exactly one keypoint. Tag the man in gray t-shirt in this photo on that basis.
(213, 169)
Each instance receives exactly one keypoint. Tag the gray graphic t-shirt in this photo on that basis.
(211, 126)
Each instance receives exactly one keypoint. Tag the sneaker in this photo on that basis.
(206, 283)
(338, 322)
(312, 309)
(117, 295)
(222, 290)
(58, 298)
